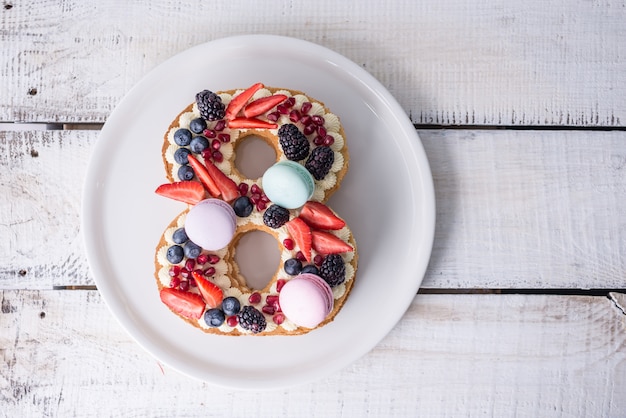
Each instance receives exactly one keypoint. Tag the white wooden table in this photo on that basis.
(521, 107)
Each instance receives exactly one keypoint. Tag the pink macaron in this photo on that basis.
(211, 224)
(306, 300)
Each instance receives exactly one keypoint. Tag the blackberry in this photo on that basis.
(275, 216)
(210, 105)
(320, 161)
(333, 270)
(293, 142)
(251, 319)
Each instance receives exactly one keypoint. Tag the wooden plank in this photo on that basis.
(515, 209)
(447, 62)
(495, 355)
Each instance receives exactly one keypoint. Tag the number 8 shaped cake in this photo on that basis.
(196, 273)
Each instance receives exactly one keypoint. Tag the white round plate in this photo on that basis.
(387, 199)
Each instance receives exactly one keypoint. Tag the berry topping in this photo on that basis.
(211, 293)
(320, 161)
(319, 216)
(192, 250)
(238, 102)
(204, 176)
(180, 156)
(202, 259)
(175, 254)
(214, 317)
(185, 172)
(279, 284)
(250, 123)
(187, 304)
(231, 321)
(275, 216)
(198, 144)
(293, 266)
(197, 125)
(255, 298)
(243, 207)
(306, 106)
(301, 234)
(278, 318)
(210, 105)
(190, 192)
(310, 269)
(318, 260)
(289, 244)
(213, 258)
(182, 137)
(231, 305)
(333, 270)
(262, 105)
(327, 243)
(251, 319)
(293, 142)
(180, 236)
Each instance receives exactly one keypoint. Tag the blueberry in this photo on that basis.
(192, 250)
(181, 156)
(231, 305)
(185, 172)
(198, 144)
(310, 269)
(293, 266)
(214, 317)
(243, 206)
(180, 236)
(197, 125)
(182, 137)
(175, 254)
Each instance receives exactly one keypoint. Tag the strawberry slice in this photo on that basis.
(301, 234)
(327, 243)
(228, 188)
(238, 102)
(190, 305)
(211, 293)
(190, 192)
(250, 123)
(262, 105)
(203, 174)
(319, 216)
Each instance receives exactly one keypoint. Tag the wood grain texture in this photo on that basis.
(515, 209)
(447, 62)
(63, 354)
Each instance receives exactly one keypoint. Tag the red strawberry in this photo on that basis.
(185, 191)
(250, 123)
(327, 243)
(187, 304)
(319, 216)
(203, 174)
(228, 188)
(211, 293)
(301, 234)
(262, 105)
(240, 101)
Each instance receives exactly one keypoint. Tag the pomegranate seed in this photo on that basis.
(309, 129)
(317, 119)
(318, 140)
(306, 106)
(209, 272)
(243, 189)
(290, 101)
(216, 144)
(268, 309)
(202, 259)
(261, 205)
(220, 125)
(288, 244)
(175, 282)
(213, 258)
(273, 117)
(282, 109)
(279, 284)
(306, 120)
(254, 298)
(270, 299)
(190, 264)
(321, 131)
(184, 285)
(255, 198)
(329, 140)
(174, 271)
(217, 156)
(300, 256)
(184, 273)
(255, 189)
(264, 198)
(192, 282)
(279, 318)
(224, 138)
(209, 133)
(318, 260)
(294, 116)
(232, 321)
(206, 154)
